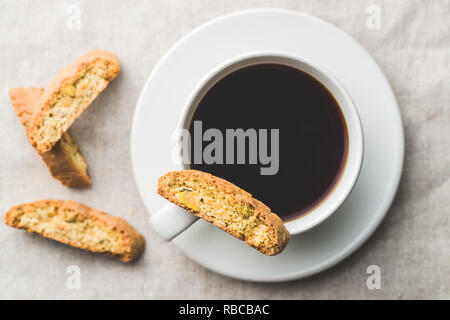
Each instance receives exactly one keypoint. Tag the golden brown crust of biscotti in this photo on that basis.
(226, 206)
(64, 161)
(79, 226)
(25, 102)
(69, 94)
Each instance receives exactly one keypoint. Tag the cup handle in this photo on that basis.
(170, 221)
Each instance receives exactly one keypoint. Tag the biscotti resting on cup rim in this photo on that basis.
(226, 206)
(69, 94)
(79, 226)
(64, 161)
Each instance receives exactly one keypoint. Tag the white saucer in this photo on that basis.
(180, 70)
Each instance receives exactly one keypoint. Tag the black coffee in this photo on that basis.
(313, 139)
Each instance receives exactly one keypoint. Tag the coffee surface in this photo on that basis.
(313, 139)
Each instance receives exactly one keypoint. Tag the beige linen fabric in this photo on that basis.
(37, 38)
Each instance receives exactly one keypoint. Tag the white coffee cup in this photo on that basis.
(172, 220)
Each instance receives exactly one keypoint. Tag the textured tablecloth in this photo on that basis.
(412, 246)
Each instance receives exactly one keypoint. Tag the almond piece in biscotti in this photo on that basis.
(226, 206)
(79, 226)
(69, 94)
(64, 161)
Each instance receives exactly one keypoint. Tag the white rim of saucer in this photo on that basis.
(392, 186)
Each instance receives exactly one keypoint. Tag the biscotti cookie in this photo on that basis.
(69, 94)
(64, 161)
(79, 226)
(226, 206)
